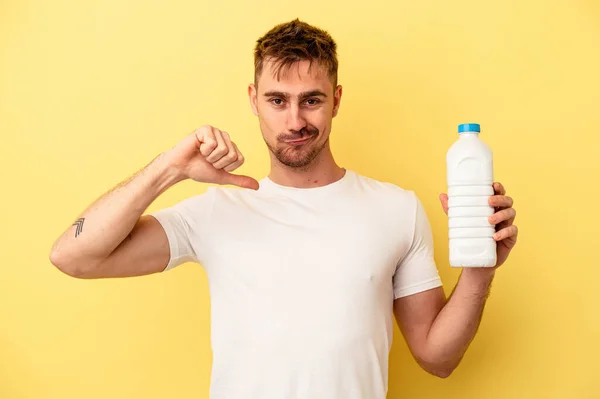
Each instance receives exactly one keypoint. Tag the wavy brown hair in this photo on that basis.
(294, 41)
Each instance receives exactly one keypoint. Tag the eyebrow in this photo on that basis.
(312, 93)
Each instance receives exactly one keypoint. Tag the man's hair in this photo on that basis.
(292, 42)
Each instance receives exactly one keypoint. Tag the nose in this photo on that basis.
(295, 119)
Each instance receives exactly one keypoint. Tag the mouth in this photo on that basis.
(300, 141)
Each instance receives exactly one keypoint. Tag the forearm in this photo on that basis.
(456, 324)
(109, 220)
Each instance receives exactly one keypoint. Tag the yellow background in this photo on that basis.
(91, 91)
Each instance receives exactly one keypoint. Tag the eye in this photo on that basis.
(313, 101)
(276, 101)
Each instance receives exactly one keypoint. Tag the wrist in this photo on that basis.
(478, 275)
(165, 172)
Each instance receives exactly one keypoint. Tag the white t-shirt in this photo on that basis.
(302, 282)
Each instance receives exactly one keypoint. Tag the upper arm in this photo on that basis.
(144, 251)
(415, 315)
(418, 292)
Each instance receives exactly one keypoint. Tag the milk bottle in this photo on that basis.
(470, 181)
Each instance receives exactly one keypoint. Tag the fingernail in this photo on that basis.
(496, 236)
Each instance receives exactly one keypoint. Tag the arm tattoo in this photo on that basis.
(79, 224)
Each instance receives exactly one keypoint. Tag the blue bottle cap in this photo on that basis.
(469, 127)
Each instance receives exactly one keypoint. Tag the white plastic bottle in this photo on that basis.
(470, 178)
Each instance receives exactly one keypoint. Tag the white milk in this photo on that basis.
(470, 178)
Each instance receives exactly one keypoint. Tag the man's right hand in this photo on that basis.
(209, 156)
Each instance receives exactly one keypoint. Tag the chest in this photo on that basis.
(299, 248)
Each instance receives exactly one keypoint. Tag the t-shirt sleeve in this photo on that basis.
(184, 223)
(417, 271)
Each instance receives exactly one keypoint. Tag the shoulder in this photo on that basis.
(223, 195)
(200, 207)
(386, 191)
(231, 197)
(399, 210)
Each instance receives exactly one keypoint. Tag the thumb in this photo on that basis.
(239, 180)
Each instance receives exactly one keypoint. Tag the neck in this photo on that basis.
(322, 171)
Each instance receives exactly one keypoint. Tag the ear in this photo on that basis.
(337, 99)
(253, 97)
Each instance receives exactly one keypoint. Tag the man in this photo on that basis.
(305, 267)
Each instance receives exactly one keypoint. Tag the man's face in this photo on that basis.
(295, 112)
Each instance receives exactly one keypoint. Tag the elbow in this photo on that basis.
(439, 369)
(72, 269)
(441, 372)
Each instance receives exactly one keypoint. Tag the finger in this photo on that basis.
(499, 189)
(220, 150)
(239, 180)
(207, 140)
(444, 201)
(500, 201)
(236, 164)
(231, 155)
(508, 232)
(505, 215)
